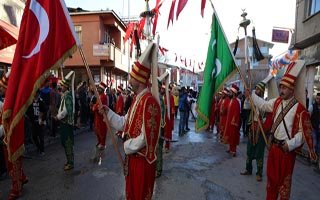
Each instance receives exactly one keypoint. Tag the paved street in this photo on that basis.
(197, 167)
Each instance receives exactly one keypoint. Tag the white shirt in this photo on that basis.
(280, 132)
(246, 104)
(117, 122)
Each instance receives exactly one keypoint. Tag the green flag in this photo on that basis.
(219, 66)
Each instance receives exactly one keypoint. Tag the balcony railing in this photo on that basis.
(101, 50)
(110, 52)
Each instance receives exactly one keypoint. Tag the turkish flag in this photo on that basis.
(46, 39)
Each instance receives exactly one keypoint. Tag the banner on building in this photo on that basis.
(279, 35)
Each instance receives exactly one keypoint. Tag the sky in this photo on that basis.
(189, 35)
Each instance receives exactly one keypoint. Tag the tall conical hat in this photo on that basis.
(68, 82)
(294, 78)
(141, 69)
(271, 85)
(166, 77)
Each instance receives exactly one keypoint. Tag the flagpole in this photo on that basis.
(243, 80)
(244, 24)
(91, 81)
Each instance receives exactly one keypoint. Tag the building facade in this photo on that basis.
(11, 12)
(253, 70)
(101, 37)
(307, 39)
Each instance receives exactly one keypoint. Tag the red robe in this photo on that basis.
(212, 113)
(100, 126)
(232, 129)
(141, 166)
(217, 113)
(15, 170)
(280, 164)
(120, 105)
(223, 114)
(169, 122)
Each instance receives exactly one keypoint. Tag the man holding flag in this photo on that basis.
(39, 49)
(219, 66)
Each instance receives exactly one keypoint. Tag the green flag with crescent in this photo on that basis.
(219, 66)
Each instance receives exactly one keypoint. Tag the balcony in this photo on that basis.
(111, 53)
(102, 50)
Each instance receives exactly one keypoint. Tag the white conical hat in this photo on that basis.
(68, 82)
(68, 79)
(292, 72)
(294, 78)
(271, 85)
(141, 69)
(166, 77)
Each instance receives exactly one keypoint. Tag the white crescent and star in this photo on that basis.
(43, 21)
(216, 71)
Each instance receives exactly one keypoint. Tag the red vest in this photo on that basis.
(99, 124)
(145, 114)
(301, 116)
(223, 112)
(120, 105)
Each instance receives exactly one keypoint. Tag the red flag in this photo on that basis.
(140, 28)
(129, 32)
(203, 5)
(181, 5)
(171, 13)
(156, 10)
(46, 39)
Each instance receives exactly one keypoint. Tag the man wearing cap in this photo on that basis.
(288, 132)
(120, 101)
(66, 117)
(212, 117)
(14, 168)
(100, 126)
(315, 121)
(225, 100)
(170, 122)
(128, 101)
(141, 127)
(163, 124)
(217, 113)
(256, 143)
(232, 129)
(3, 168)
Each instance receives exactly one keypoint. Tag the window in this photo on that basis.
(264, 50)
(314, 7)
(107, 37)
(78, 30)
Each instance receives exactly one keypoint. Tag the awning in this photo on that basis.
(8, 34)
